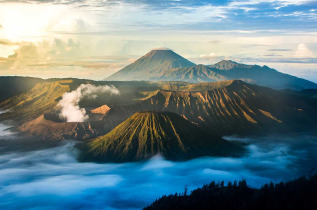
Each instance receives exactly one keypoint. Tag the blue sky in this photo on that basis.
(93, 39)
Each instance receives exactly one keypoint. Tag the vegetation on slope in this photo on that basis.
(298, 194)
(41, 98)
(11, 86)
(146, 134)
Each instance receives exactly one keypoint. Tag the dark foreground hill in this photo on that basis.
(146, 134)
(298, 194)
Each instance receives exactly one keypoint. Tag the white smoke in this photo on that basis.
(69, 104)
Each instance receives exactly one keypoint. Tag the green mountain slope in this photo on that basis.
(13, 85)
(146, 134)
(41, 98)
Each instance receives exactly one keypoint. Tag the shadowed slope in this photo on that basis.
(13, 85)
(146, 134)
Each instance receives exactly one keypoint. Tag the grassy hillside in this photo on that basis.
(11, 86)
(41, 98)
(146, 134)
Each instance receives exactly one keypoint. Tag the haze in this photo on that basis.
(93, 40)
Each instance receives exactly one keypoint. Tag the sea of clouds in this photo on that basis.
(35, 175)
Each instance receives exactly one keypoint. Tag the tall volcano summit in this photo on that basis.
(151, 65)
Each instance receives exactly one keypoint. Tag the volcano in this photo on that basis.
(146, 134)
(165, 65)
(151, 65)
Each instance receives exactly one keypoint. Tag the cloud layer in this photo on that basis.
(51, 178)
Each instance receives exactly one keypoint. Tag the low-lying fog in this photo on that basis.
(34, 175)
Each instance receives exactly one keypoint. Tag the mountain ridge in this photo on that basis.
(236, 107)
(166, 65)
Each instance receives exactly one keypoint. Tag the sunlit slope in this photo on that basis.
(41, 98)
(235, 107)
(14, 85)
(146, 134)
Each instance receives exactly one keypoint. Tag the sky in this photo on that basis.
(94, 39)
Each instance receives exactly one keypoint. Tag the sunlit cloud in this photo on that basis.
(203, 32)
(303, 51)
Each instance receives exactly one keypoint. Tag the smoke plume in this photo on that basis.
(69, 104)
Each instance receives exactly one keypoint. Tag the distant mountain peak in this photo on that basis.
(163, 54)
(163, 64)
(227, 62)
(161, 48)
(227, 65)
(151, 65)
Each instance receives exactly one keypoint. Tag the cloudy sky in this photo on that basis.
(93, 39)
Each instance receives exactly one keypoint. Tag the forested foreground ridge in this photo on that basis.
(300, 193)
